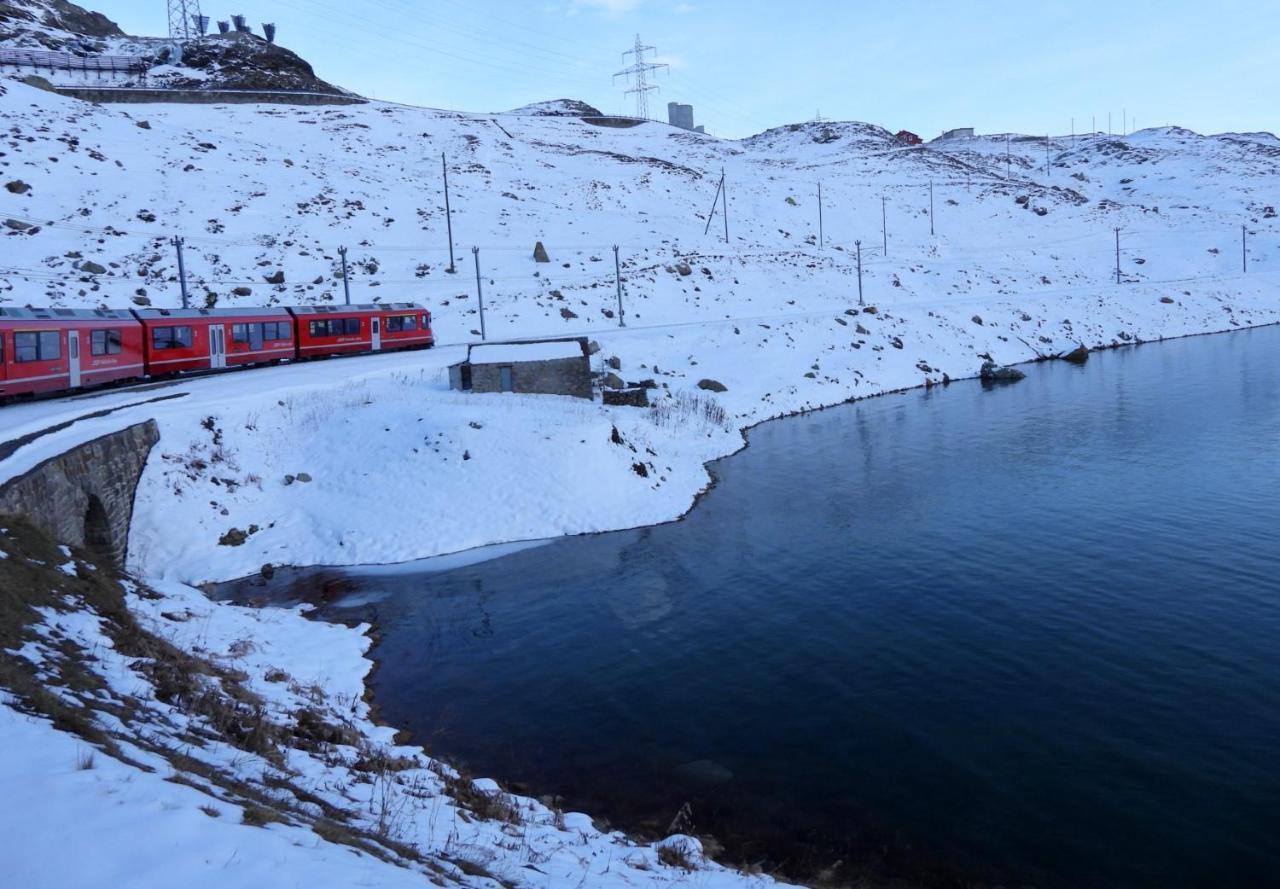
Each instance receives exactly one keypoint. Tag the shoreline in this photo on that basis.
(744, 431)
(634, 832)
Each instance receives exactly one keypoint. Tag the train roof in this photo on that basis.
(364, 307)
(27, 313)
(247, 312)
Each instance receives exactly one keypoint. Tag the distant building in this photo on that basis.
(906, 137)
(958, 133)
(542, 367)
(680, 115)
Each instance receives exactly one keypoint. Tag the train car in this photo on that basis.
(182, 340)
(337, 330)
(48, 350)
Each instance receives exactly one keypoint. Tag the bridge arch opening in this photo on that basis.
(97, 529)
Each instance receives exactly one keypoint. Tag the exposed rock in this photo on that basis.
(17, 225)
(871, 310)
(540, 253)
(1167, 300)
(89, 267)
(268, 571)
(17, 186)
(712, 385)
(143, 124)
(684, 269)
(993, 373)
(242, 291)
(627, 397)
(1078, 355)
(277, 278)
(566, 313)
(862, 331)
(614, 361)
(976, 319)
(234, 537)
(592, 347)
(612, 381)
(304, 477)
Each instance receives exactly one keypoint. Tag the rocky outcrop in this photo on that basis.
(85, 496)
(994, 373)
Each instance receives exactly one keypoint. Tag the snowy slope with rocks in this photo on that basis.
(1021, 264)
(1018, 268)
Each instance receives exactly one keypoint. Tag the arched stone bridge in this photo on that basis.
(84, 497)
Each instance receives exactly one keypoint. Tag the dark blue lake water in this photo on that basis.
(1027, 634)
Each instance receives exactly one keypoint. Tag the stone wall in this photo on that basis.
(85, 496)
(204, 97)
(560, 376)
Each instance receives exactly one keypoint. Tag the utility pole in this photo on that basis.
(475, 251)
(1117, 254)
(820, 232)
(184, 20)
(858, 246)
(714, 201)
(448, 214)
(182, 271)
(884, 224)
(930, 208)
(617, 277)
(640, 71)
(346, 284)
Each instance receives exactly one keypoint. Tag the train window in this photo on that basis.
(275, 330)
(319, 328)
(1, 347)
(45, 345)
(239, 333)
(352, 325)
(171, 338)
(399, 323)
(104, 342)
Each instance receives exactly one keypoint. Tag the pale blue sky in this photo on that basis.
(999, 65)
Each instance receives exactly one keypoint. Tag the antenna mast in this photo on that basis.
(639, 70)
(185, 21)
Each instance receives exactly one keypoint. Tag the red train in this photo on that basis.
(55, 350)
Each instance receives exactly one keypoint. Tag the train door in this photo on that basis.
(217, 346)
(73, 356)
(377, 334)
(255, 337)
(4, 359)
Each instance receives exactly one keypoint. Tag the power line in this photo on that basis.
(640, 71)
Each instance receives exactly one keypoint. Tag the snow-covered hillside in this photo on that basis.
(1020, 263)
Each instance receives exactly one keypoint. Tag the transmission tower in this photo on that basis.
(184, 20)
(639, 71)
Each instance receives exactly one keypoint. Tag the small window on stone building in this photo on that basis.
(504, 379)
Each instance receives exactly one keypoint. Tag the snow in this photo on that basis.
(505, 353)
(403, 468)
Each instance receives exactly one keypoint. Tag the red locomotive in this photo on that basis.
(55, 350)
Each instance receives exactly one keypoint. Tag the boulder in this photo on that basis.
(17, 186)
(976, 319)
(17, 225)
(92, 268)
(540, 253)
(1078, 355)
(612, 381)
(1167, 300)
(277, 278)
(242, 291)
(994, 373)
(592, 347)
(614, 362)
(566, 313)
(712, 385)
(684, 269)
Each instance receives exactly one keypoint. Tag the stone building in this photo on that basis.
(542, 367)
